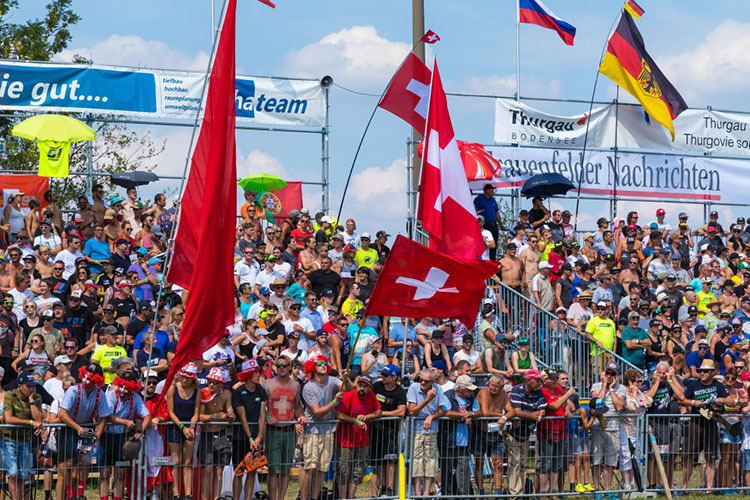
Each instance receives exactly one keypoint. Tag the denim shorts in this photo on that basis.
(17, 458)
(746, 460)
(725, 437)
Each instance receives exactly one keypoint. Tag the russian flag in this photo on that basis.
(535, 12)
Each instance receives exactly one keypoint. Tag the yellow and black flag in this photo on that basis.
(628, 65)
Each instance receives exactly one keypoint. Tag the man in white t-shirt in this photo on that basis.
(579, 312)
(267, 275)
(664, 227)
(220, 355)
(308, 330)
(294, 352)
(48, 238)
(467, 352)
(246, 270)
(489, 241)
(659, 267)
(54, 385)
(70, 255)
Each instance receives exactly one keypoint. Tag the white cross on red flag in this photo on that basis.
(430, 37)
(417, 282)
(445, 206)
(408, 93)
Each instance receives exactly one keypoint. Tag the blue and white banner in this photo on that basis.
(154, 93)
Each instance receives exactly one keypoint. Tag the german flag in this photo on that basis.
(634, 9)
(628, 65)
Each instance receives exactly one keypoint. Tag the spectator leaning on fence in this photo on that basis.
(528, 404)
(605, 433)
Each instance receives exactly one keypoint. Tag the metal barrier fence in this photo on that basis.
(552, 340)
(454, 458)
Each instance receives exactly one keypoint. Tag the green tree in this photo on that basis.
(116, 149)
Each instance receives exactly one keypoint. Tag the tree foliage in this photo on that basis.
(117, 148)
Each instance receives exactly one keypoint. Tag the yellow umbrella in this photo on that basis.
(52, 127)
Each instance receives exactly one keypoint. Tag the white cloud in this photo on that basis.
(382, 188)
(258, 162)
(132, 50)
(352, 55)
(721, 62)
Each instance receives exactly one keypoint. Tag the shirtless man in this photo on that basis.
(588, 250)
(530, 258)
(284, 405)
(511, 268)
(7, 279)
(160, 202)
(492, 400)
(87, 214)
(98, 206)
(629, 274)
(215, 414)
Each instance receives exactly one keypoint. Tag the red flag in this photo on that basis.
(479, 165)
(445, 206)
(282, 201)
(416, 282)
(204, 245)
(430, 37)
(269, 3)
(408, 92)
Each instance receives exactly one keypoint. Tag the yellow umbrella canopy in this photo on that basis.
(51, 127)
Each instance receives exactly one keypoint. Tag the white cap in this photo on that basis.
(59, 360)
(327, 219)
(601, 303)
(256, 349)
(545, 265)
(365, 235)
(150, 373)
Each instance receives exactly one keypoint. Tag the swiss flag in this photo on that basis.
(445, 206)
(430, 37)
(408, 92)
(416, 282)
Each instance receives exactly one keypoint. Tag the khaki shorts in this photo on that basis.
(425, 455)
(317, 451)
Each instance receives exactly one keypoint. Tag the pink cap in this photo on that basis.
(531, 374)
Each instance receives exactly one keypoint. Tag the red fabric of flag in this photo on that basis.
(445, 206)
(417, 282)
(430, 37)
(204, 245)
(407, 95)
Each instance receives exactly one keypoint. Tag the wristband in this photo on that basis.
(182, 426)
(31, 423)
(356, 420)
(669, 380)
(251, 439)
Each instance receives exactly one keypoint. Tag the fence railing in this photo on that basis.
(466, 457)
(553, 342)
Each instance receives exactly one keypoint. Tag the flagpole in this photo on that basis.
(588, 122)
(367, 127)
(518, 50)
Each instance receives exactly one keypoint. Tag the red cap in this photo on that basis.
(660, 211)
(746, 376)
(710, 229)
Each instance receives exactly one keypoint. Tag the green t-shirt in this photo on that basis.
(634, 356)
(53, 158)
(603, 330)
(21, 409)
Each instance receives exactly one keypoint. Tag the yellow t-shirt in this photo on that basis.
(704, 298)
(104, 356)
(366, 258)
(350, 307)
(602, 330)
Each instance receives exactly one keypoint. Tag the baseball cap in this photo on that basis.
(735, 339)
(587, 236)
(682, 215)
(660, 211)
(115, 201)
(464, 381)
(327, 219)
(46, 222)
(703, 342)
(601, 303)
(364, 378)
(27, 378)
(338, 236)
(61, 360)
(612, 367)
(48, 314)
(142, 251)
(692, 310)
(532, 374)
(439, 365)
(364, 236)
(700, 329)
(710, 229)
(349, 248)
(76, 294)
(151, 373)
(154, 260)
(321, 331)
(714, 213)
(545, 265)
(293, 213)
(382, 234)
(633, 315)
(391, 370)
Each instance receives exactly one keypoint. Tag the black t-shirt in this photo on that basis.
(662, 399)
(105, 281)
(275, 330)
(321, 281)
(136, 326)
(675, 301)
(321, 236)
(566, 293)
(123, 307)
(101, 324)
(60, 289)
(389, 400)
(79, 362)
(705, 393)
(535, 214)
(252, 402)
(120, 262)
(80, 322)
(26, 329)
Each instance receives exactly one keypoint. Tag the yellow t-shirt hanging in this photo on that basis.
(53, 158)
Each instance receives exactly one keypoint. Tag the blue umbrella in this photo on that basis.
(546, 185)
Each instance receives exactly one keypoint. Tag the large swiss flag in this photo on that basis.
(445, 206)
(417, 282)
(408, 93)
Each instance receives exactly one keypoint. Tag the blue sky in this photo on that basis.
(704, 51)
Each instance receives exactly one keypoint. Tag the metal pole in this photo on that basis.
(325, 159)
(417, 32)
(518, 51)
(213, 22)
(89, 160)
(409, 191)
(617, 157)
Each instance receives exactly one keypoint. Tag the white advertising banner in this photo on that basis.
(696, 130)
(39, 87)
(645, 176)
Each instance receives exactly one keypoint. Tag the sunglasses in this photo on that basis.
(321, 363)
(214, 382)
(703, 348)
(59, 269)
(34, 341)
(282, 365)
(8, 303)
(705, 371)
(152, 382)
(70, 347)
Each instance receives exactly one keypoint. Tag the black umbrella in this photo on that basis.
(546, 185)
(133, 179)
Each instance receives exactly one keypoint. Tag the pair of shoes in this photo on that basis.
(588, 487)
(580, 488)
(598, 496)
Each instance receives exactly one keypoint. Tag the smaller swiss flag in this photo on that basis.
(430, 37)
(409, 92)
(417, 282)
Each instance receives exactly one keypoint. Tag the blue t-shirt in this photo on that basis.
(162, 340)
(692, 359)
(97, 250)
(489, 207)
(361, 347)
(462, 430)
(297, 293)
(397, 334)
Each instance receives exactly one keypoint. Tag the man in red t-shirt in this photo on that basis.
(302, 231)
(551, 432)
(356, 409)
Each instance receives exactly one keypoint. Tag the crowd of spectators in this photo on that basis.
(89, 327)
